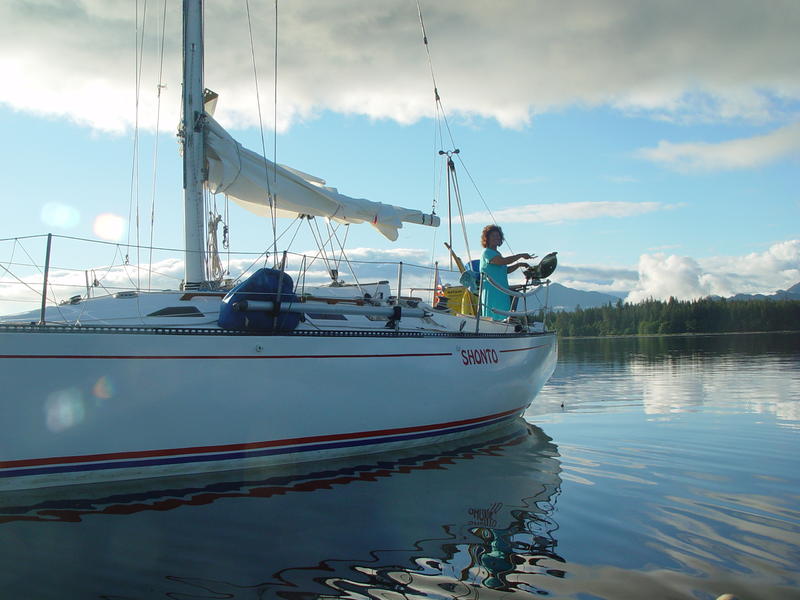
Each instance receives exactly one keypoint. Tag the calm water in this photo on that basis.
(652, 468)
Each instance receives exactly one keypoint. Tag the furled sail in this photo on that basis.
(248, 178)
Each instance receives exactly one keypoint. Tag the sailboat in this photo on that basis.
(142, 383)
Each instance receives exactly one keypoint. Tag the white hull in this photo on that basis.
(97, 404)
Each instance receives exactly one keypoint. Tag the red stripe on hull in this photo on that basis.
(246, 446)
(522, 349)
(184, 357)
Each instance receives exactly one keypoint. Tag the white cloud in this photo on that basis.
(741, 153)
(662, 276)
(758, 272)
(502, 60)
(657, 276)
(568, 211)
(597, 278)
(414, 255)
(21, 291)
(108, 226)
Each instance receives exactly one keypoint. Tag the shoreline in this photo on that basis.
(685, 334)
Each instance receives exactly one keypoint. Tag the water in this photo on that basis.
(654, 468)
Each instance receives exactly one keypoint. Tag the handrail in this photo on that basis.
(515, 313)
(514, 294)
(506, 291)
(182, 251)
(44, 281)
(72, 271)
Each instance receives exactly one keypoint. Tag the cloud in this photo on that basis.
(21, 291)
(743, 153)
(365, 265)
(414, 255)
(503, 60)
(758, 272)
(568, 211)
(656, 276)
(597, 278)
(662, 276)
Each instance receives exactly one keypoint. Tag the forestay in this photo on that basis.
(249, 179)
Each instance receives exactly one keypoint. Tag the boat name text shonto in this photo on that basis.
(479, 357)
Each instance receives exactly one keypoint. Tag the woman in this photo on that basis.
(496, 266)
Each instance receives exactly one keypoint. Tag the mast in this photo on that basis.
(193, 152)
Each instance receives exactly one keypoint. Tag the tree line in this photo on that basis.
(678, 316)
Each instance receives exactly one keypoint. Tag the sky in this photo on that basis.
(654, 145)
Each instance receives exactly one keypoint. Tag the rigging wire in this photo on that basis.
(271, 198)
(441, 117)
(457, 193)
(320, 250)
(226, 242)
(266, 254)
(437, 130)
(321, 245)
(439, 105)
(296, 231)
(159, 87)
(134, 200)
(480, 195)
(275, 99)
(343, 255)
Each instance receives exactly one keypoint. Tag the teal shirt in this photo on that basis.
(491, 297)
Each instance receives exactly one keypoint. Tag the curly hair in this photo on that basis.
(485, 234)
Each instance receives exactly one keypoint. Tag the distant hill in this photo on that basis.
(793, 293)
(568, 299)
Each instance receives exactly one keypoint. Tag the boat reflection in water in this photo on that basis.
(442, 521)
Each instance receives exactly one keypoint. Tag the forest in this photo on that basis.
(678, 316)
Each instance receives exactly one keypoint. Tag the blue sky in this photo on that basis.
(654, 146)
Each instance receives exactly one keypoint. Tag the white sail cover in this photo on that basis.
(248, 178)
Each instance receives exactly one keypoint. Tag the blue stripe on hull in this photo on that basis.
(124, 464)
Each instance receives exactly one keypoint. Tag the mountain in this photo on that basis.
(793, 293)
(568, 299)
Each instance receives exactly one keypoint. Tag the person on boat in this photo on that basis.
(496, 266)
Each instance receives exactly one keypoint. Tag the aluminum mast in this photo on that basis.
(193, 152)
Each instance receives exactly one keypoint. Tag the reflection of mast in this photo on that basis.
(521, 536)
(518, 548)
